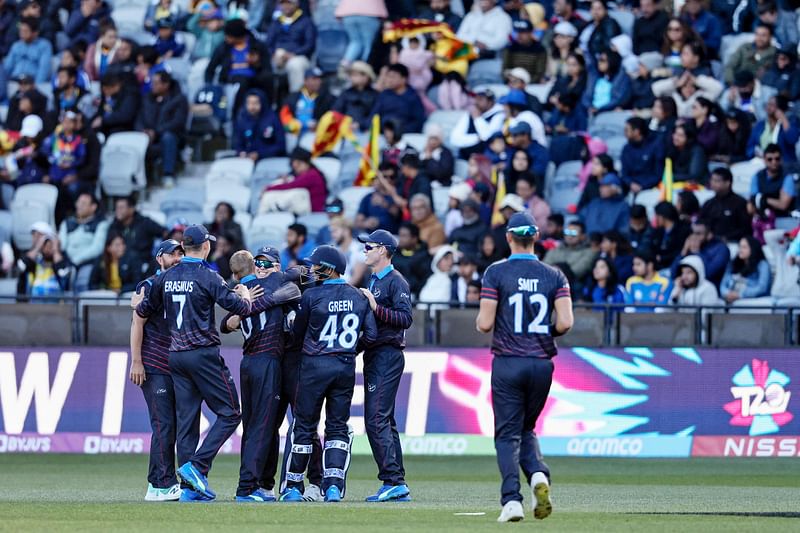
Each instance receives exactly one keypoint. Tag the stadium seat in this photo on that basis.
(743, 174)
(236, 170)
(351, 162)
(189, 216)
(704, 195)
(615, 145)
(441, 201)
(651, 60)
(314, 222)
(272, 167)
(625, 20)
(351, 198)
(485, 71)
(8, 287)
(731, 43)
(154, 215)
(196, 79)
(128, 18)
(331, 45)
(38, 192)
(540, 91)
(190, 40)
(141, 37)
(118, 166)
(461, 168)
(330, 168)
(25, 213)
(137, 141)
(446, 119)
(183, 199)
(563, 190)
(648, 198)
(416, 141)
(609, 124)
(243, 218)
(306, 141)
(236, 195)
(268, 229)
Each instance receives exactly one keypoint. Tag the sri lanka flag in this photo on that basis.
(371, 156)
(332, 128)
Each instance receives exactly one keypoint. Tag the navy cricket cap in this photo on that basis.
(167, 247)
(328, 256)
(196, 235)
(522, 224)
(380, 236)
(270, 252)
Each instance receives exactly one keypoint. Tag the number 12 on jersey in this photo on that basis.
(536, 326)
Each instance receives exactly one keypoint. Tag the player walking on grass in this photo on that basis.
(186, 295)
(518, 296)
(331, 318)
(150, 371)
(259, 370)
(390, 301)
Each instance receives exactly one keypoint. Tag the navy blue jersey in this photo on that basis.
(263, 328)
(331, 319)
(393, 313)
(155, 343)
(525, 290)
(186, 294)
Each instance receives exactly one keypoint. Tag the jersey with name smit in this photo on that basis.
(186, 294)
(525, 290)
(332, 318)
(263, 328)
(156, 339)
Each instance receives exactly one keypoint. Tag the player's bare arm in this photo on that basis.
(488, 311)
(137, 374)
(564, 316)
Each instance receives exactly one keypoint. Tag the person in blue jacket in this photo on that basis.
(778, 120)
(610, 211)
(643, 157)
(714, 253)
(399, 102)
(609, 87)
(84, 23)
(706, 24)
(604, 287)
(748, 275)
(258, 133)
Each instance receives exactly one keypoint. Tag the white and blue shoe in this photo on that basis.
(396, 493)
(292, 494)
(189, 495)
(333, 494)
(169, 494)
(193, 477)
(257, 496)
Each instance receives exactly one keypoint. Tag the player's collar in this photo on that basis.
(517, 257)
(337, 281)
(247, 278)
(186, 259)
(385, 272)
(158, 272)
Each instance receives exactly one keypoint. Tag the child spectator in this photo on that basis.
(168, 43)
(206, 25)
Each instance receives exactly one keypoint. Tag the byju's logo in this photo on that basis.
(762, 400)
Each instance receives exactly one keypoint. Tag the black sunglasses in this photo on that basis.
(264, 263)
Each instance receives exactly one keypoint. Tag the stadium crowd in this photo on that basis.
(654, 143)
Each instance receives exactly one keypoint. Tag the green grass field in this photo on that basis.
(104, 493)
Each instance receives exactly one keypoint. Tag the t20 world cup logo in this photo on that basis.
(761, 399)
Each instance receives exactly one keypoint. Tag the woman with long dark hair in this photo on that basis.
(748, 274)
(678, 33)
(689, 162)
(616, 247)
(601, 165)
(573, 81)
(733, 137)
(609, 87)
(116, 270)
(604, 286)
(705, 115)
(598, 33)
(564, 43)
(664, 114)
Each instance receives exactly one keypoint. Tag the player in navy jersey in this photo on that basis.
(390, 300)
(336, 322)
(268, 264)
(518, 296)
(186, 294)
(260, 371)
(150, 371)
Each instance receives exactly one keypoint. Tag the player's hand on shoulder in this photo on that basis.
(137, 298)
(371, 297)
(256, 292)
(243, 292)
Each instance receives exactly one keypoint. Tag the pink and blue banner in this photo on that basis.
(632, 402)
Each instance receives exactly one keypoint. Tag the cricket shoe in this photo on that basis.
(169, 494)
(194, 478)
(512, 512)
(333, 494)
(394, 493)
(312, 494)
(292, 494)
(257, 496)
(540, 492)
(189, 495)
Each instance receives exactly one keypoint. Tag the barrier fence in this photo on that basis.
(106, 322)
(620, 402)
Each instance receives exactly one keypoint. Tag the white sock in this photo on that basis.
(539, 477)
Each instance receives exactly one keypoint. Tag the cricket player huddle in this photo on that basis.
(302, 330)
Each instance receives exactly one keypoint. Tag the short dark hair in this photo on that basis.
(569, 100)
(475, 283)
(703, 222)
(91, 196)
(772, 148)
(31, 22)
(110, 78)
(781, 102)
(148, 53)
(399, 69)
(556, 218)
(164, 77)
(723, 173)
(72, 72)
(300, 229)
(130, 200)
(412, 228)
(638, 211)
(522, 240)
(667, 210)
(639, 124)
(579, 224)
(766, 26)
(645, 255)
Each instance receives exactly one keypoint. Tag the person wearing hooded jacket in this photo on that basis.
(83, 25)
(258, 133)
(439, 286)
(163, 119)
(610, 211)
(691, 286)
